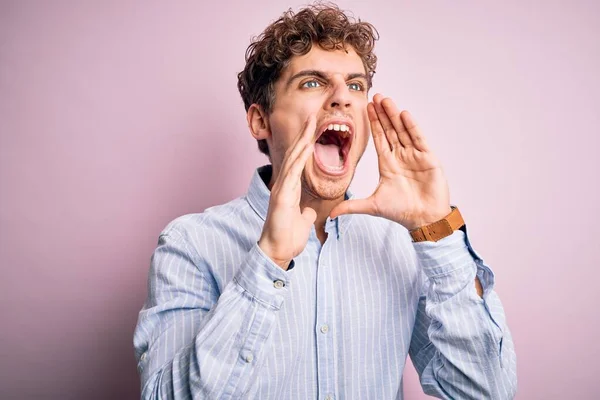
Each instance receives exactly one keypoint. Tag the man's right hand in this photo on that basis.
(286, 229)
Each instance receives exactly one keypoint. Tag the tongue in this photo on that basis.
(329, 154)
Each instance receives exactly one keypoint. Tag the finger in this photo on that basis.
(309, 215)
(414, 131)
(299, 145)
(377, 98)
(394, 114)
(360, 206)
(291, 178)
(308, 130)
(298, 164)
(381, 143)
(388, 127)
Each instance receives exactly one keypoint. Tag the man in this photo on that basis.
(299, 291)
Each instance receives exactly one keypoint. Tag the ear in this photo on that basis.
(258, 122)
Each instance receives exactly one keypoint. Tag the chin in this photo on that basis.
(324, 187)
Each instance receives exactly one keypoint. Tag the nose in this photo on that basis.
(340, 96)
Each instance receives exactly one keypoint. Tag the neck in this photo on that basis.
(322, 207)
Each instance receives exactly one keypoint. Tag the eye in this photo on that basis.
(311, 84)
(356, 86)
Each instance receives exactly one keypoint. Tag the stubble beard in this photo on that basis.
(326, 189)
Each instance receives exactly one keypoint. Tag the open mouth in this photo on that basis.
(332, 147)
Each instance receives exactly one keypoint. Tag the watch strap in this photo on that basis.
(440, 229)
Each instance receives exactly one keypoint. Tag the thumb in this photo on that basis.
(360, 206)
(309, 215)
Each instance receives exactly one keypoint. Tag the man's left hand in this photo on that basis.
(412, 189)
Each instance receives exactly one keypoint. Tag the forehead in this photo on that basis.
(328, 61)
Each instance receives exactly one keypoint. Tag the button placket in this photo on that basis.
(325, 317)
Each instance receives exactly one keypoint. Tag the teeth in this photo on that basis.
(338, 128)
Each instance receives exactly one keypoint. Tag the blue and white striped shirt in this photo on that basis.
(222, 321)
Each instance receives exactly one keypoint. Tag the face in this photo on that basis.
(332, 86)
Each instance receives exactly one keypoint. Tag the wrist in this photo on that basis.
(428, 219)
(439, 229)
(266, 248)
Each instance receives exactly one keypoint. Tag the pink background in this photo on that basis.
(116, 117)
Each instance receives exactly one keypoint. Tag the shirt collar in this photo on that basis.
(258, 193)
(258, 197)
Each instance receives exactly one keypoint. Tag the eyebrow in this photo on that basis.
(323, 76)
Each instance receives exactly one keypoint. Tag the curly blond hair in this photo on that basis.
(294, 34)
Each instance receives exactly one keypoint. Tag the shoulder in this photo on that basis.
(215, 216)
(232, 223)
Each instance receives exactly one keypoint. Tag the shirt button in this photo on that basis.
(249, 358)
(325, 329)
(278, 284)
(329, 397)
(143, 357)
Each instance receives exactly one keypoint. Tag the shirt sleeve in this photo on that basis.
(461, 345)
(193, 342)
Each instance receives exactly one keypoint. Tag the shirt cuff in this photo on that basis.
(263, 279)
(453, 253)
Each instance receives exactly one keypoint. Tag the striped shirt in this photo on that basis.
(222, 321)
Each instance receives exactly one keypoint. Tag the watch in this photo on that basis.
(440, 229)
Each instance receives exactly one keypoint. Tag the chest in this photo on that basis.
(351, 309)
